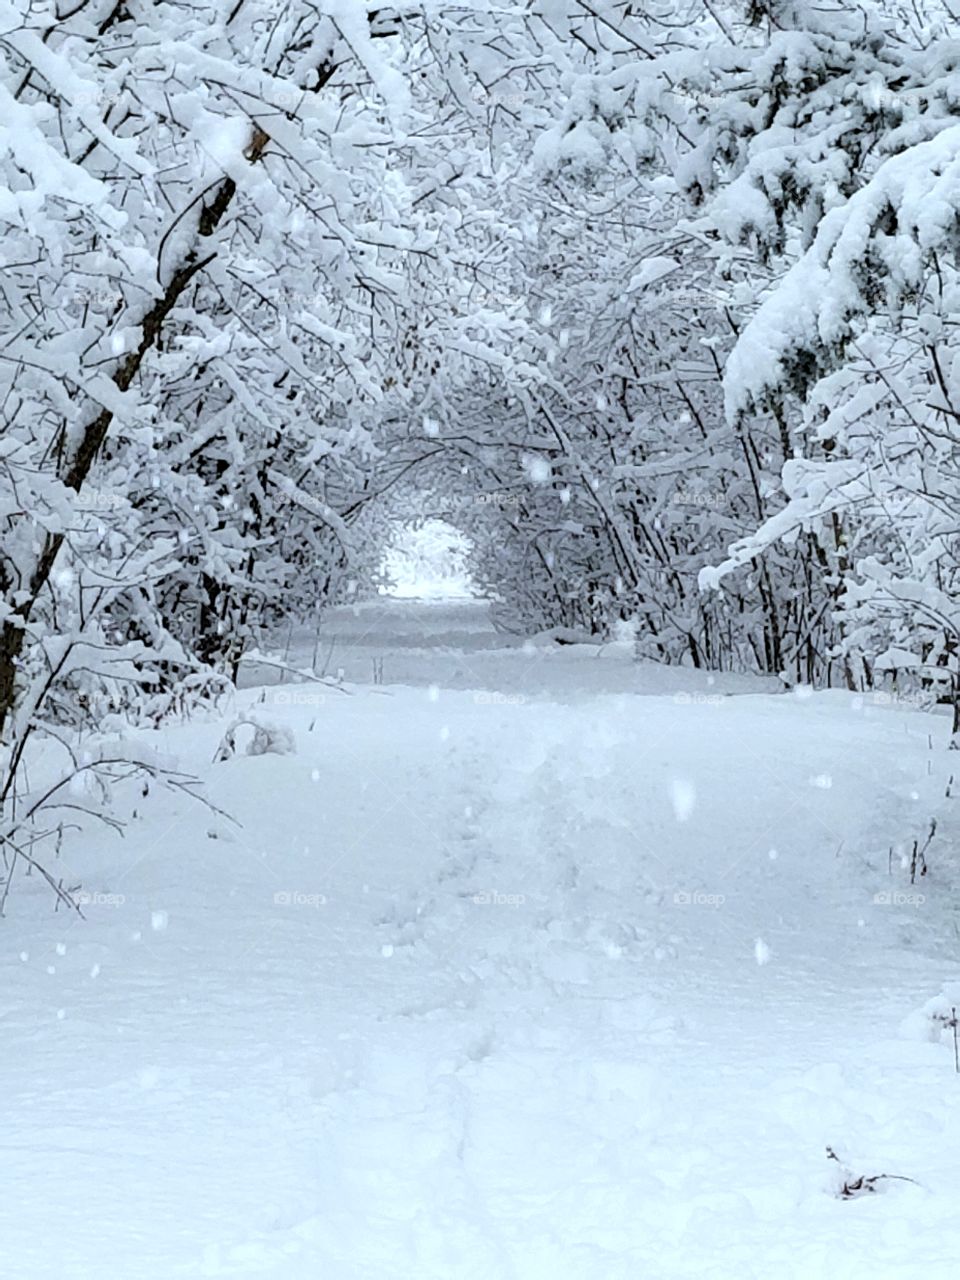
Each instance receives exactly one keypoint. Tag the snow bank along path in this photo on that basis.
(575, 983)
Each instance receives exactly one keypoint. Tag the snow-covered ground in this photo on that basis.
(528, 964)
(451, 643)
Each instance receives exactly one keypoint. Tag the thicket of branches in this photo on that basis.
(656, 303)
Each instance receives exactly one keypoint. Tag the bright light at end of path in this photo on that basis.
(428, 561)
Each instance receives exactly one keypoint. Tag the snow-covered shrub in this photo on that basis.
(271, 739)
(268, 738)
(937, 1020)
(847, 1185)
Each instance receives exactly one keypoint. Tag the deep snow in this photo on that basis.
(537, 966)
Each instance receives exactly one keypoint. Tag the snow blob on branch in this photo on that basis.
(869, 252)
(353, 23)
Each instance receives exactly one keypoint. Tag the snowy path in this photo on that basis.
(576, 986)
